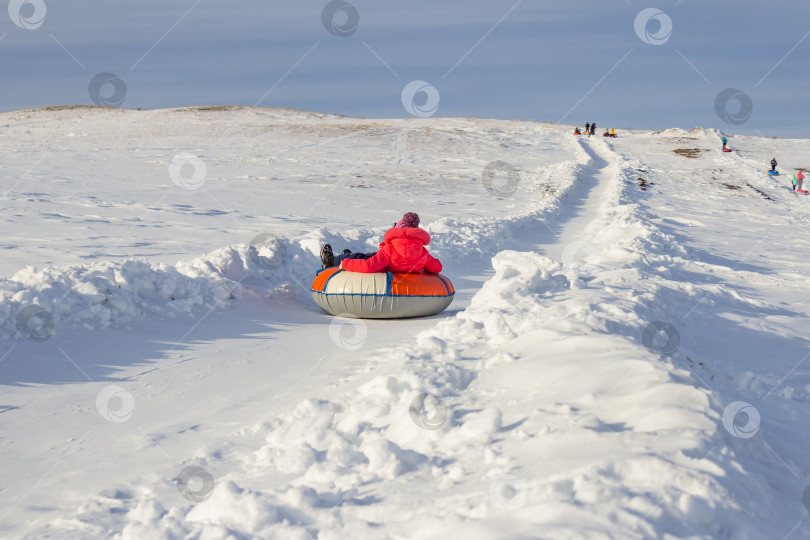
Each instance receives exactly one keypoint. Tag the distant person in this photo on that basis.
(612, 133)
(724, 141)
(593, 128)
(588, 127)
(576, 131)
(606, 134)
(797, 181)
(773, 165)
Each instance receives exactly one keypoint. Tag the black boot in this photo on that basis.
(327, 257)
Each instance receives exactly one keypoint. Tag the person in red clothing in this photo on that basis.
(402, 250)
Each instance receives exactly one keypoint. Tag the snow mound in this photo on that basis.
(114, 294)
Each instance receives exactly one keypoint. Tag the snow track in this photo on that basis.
(585, 204)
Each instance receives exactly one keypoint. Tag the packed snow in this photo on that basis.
(625, 356)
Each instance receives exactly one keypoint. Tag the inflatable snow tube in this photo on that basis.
(726, 149)
(802, 191)
(381, 295)
(773, 173)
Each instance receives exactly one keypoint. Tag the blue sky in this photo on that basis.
(546, 61)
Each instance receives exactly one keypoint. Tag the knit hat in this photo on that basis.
(411, 219)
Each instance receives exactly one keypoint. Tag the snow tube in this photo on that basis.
(575, 133)
(726, 149)
(381, 295)
(773, 173)
(802, 191)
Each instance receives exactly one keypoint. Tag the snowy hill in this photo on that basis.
(625, 356)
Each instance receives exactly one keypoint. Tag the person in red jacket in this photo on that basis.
(402, 250)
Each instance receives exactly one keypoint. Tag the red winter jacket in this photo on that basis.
(402, 250)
